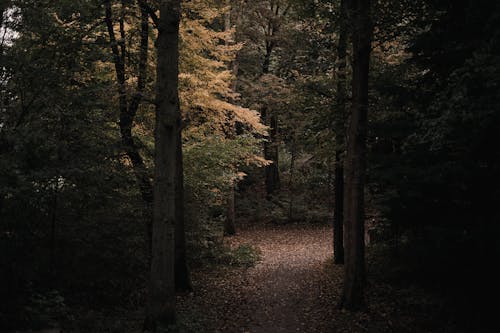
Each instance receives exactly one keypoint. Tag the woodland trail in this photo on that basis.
(286, 289)
(295, 288)
(282, 293)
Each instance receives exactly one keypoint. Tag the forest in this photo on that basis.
(249, 166)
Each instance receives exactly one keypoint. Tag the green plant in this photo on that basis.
(244, 256)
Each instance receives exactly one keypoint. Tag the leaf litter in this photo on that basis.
(296, 288)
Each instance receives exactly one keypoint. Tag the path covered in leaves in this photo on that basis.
(282, 293)
(295, 288)
(284, 289)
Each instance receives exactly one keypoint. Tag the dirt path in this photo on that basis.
(295, 288)
(282, 293)
(286, 289)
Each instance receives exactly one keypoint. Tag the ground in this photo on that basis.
(296, 288)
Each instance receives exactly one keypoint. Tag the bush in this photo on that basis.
(244, 256)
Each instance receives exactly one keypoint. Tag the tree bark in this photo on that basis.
(167, 199)
(354, 279)
(4, 5)
(129, 111)
(53, 230)
(338, 215)
(271, 153)
(230, 221)
(271, 172)
(290, 181)
(339, 127)
(272, 178)
(182, 276)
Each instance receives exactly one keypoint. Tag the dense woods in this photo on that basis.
(249, 166)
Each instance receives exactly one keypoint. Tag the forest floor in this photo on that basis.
(296, 288)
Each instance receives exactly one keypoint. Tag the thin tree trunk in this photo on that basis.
(339, 124)
(167, 201)
(271, 172)
(128, 112)
(338, 215)
(290, 182)
(182, 277)
(354, 279)
(230, 221)
(272, 178)
(53, 230)
(267, 58)
(272, 153)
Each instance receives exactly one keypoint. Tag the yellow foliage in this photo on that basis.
(205, 80)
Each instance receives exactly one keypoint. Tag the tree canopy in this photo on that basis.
(137, 137)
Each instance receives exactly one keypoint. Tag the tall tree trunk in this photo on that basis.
(271, 153)
(161, 307)
(230, 221)
(354, 279)
(182, 277)
(271, 171)
(338, 215)
(128, 112)
(290, 181)
(339, 127)
(53, 230)
(142, 173)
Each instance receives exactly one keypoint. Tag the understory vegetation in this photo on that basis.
(269, 101)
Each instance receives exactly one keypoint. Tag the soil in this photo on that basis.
(296, 288)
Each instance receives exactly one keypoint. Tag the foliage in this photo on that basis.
(243, 256)
(433, 174)
(72, 216)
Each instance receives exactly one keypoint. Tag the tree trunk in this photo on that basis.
(271, 153)
(128, 112)
(4, 5)
(272, 170)
(167, 201)
(272, 177)
(338, 214)
(182, 277)
(290, 181)
(230, 221)
(354, 279)
(267, 58)
(339, 127)
(53, 230)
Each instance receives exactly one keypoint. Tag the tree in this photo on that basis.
(168, 162)
(230, 220)
(354, 279)
(339, 127)
(271, 26)
(262, 28)
(129, 105)
(3, 9)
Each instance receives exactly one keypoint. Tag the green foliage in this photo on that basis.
(69, 195)
(212, 165)
(433, 173)
(243, 256)
(65, 193)
(436, 139)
